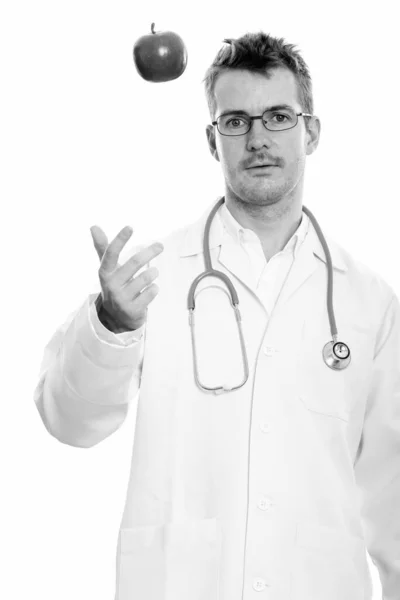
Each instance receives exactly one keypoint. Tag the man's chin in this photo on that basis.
(259, 197)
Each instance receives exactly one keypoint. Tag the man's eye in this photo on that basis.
(288, 117)
(235, 119)
(281, 115)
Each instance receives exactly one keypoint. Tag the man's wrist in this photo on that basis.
(106, 319)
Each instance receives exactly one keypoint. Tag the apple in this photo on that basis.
(160, 56)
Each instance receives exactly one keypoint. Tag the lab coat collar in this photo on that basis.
(193, 241)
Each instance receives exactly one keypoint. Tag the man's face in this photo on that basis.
(287, 149)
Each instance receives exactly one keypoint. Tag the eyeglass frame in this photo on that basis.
(301, 114)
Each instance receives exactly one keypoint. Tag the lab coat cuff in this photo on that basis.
(92, 350)
(108, 337)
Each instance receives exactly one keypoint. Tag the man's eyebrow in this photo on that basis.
(243, 112)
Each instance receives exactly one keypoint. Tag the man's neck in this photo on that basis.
(273, 225)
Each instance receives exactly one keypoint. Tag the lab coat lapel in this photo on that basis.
(231, 256)
(309, 257)
(304, 265)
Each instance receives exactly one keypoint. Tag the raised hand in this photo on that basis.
(125, 297)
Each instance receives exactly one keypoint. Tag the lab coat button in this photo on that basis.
(259, 584)
(269, 350)
(264, 503)
(265, 427)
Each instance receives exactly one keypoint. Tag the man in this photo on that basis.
(274, 486)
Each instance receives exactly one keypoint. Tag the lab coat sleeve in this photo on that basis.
(88, 378)
(377, 467)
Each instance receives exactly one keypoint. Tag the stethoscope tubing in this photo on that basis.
(330, 352)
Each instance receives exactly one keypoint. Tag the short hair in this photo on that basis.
(260, 53)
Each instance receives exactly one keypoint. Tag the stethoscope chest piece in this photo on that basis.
(336, 355)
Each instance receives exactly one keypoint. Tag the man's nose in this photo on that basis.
(258, 134)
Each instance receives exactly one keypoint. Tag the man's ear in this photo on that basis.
(210, 131)
(313, 134)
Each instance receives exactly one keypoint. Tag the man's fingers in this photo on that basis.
(100, 240)
(136, 262)
(111, 254)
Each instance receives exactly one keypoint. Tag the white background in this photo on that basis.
(84, 141)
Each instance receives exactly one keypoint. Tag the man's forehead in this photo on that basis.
(240, 86)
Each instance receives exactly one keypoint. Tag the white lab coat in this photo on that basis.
(272, 491)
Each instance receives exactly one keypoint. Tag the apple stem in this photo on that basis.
(152, 28)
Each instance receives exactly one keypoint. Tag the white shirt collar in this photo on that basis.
(242, 235)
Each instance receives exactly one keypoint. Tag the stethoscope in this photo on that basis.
(336, 354)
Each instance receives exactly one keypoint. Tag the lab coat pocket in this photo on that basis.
(328, 564)
(174, 561)
(334, 393)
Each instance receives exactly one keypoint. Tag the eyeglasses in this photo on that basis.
(239, 124)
